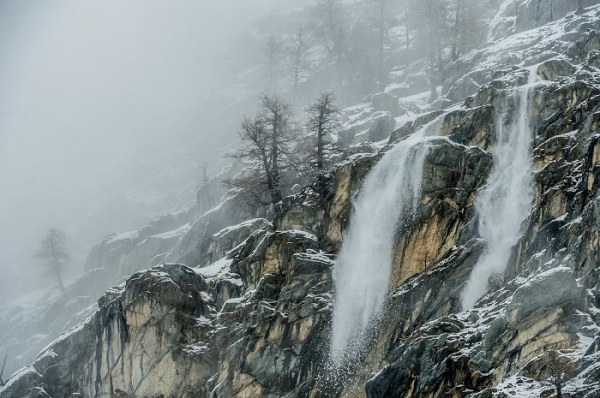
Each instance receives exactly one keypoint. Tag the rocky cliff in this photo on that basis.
(250, 313)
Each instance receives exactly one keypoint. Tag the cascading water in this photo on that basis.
(361, 274)
(506, 201)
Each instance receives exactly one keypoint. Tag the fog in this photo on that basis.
(107, 109)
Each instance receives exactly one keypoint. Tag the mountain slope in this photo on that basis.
(251, 315)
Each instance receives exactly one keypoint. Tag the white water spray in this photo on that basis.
(390, 194)
(506, 201)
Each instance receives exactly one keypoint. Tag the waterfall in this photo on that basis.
(505, 202)
(361, 275)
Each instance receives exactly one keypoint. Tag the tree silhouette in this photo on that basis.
(266, 145)
(323, 118)
(552, 368)
(2, 383)
(298, 58)
(52, 253)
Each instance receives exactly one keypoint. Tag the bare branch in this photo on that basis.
(266, 143)
(323, 119)
(52, 252)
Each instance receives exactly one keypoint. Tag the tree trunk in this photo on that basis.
(276, 190)
(60, 281)
(407, 33)
(339, 40)
(438, 44)
(380, 72)
(457, 24)
(297, 62)
(56, 266)
(265, 162)
(334, 31)
(432, 79)
(2, 383)
(320, 140)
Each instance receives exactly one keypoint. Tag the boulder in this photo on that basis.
(377, 127)
(385, 102)
(346, 137)
(555, 287)
(593, 59)
(554, 68)
(397, 89)
(412, 126)
(381, 126)
(461, 89)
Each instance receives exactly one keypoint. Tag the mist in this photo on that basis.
(283, 198)
(107, 109)
(112, 112)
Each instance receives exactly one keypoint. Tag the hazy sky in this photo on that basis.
(105, 105)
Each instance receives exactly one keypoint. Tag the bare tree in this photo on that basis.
(468, 29)
(553, 368)
(204, 170)
(273, 47)
(298, 58)
(255, 149)
(434, 33)
(52, 253)
(266, 143)
(381, 25)
(2, 383)
(458, 21)
(559, 368)
(407, 24)
(323, 119)
(330, 28)
(208, 191)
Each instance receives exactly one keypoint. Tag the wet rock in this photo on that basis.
(411, 127)
(452, 174)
